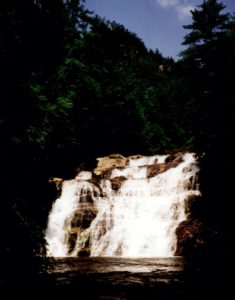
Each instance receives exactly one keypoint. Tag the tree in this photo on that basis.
(209, 63)
(206, 63)
(34, 36)
(207, 27)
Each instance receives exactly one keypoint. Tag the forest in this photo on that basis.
(74, 87)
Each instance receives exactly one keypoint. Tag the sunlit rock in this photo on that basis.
(110, 162)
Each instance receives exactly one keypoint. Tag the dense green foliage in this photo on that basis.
(74, 86)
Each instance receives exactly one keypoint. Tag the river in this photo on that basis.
(144, 278)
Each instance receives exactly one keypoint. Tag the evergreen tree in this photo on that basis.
(209, 63)
(206, 62)
(207, 27)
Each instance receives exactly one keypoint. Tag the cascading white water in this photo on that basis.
(137, 220)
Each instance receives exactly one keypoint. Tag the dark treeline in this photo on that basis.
(74, 87)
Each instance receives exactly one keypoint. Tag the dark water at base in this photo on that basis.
(156, 278)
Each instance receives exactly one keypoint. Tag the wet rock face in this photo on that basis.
(154, 170)
(172, 161)
(193, 206)
(190, 238)
(117, 182)
(83, 216)
(191, 233)
(80, 221)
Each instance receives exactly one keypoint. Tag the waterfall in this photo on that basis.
(130, 209)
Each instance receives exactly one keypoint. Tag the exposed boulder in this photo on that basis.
(117, 182)
(110, 162)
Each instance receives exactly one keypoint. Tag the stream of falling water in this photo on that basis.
(137, 220)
